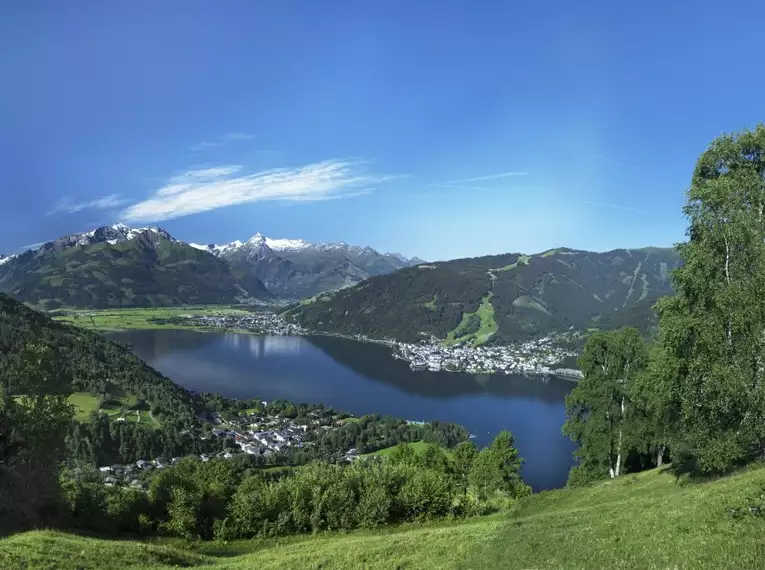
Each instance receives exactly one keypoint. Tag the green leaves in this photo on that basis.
(599, 407)
(713, 331)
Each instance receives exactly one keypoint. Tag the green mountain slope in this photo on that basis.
(97, 364)
(646, 520)
(148, 269)
(498, 299)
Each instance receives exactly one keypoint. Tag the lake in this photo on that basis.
(363, 378)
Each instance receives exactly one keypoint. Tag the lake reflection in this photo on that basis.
(364, 378)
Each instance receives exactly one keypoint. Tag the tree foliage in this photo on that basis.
(600, 406)
(231, 499)
(712, 330)
(699, 391)
(32, 430)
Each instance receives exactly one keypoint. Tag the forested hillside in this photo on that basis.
(517, 295)
(88, 362)
(149, 269)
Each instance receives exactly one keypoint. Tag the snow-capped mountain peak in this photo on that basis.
(398, 256)
(262, 244)
(287, 244)
(5, 258)
(218, 250)
(110, 234)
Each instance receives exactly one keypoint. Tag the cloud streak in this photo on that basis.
(105, 203)
(202, 190)
(24, 248)
(221, 141)
(511, 174)
(448, 185)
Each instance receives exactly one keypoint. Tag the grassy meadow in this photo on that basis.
(112, 320)
(86, 403)
(647, 520)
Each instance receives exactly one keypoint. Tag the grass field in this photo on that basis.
(648, 520)
(524, 259)
(485, 312)
(125, 319)
(86, 403)
(418, 446)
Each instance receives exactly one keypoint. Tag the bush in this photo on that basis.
(425, 494)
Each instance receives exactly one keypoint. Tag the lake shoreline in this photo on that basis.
(224, 319)
(361, 379)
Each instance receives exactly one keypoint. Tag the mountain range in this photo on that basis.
(297, 268)
(119, 266)
(499, 299)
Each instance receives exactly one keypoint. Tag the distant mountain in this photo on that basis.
(297, 268)
(117, 266)
(500, 299)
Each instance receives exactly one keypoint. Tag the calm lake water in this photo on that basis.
(363, 378)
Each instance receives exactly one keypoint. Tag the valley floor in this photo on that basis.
(646, 520)
(113, 320)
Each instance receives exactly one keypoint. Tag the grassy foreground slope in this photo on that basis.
(639, 521)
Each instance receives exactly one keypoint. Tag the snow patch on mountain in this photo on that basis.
(218, 249)
(287, 244)
(6, 258)
(292, 245)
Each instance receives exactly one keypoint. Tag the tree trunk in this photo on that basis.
(619, 444)
(660, 456)
(727, 280)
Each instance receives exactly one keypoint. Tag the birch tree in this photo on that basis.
(598, 408)
(714, 327)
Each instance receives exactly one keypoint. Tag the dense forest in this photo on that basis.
(86, 361)
(529, 296)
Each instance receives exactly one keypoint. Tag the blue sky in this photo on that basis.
(439, 129)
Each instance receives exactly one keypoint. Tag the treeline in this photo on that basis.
(698, 391)
(86, 361)
(101, 441)
(229, 500)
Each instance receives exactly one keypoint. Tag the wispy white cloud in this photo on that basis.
(616, 206)
(107, 202)
(31, 246)
(207, 189)
(487, 177)
(451, 186)
(465, 184)
(220, 141)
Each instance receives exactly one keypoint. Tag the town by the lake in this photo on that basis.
(539, 356)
